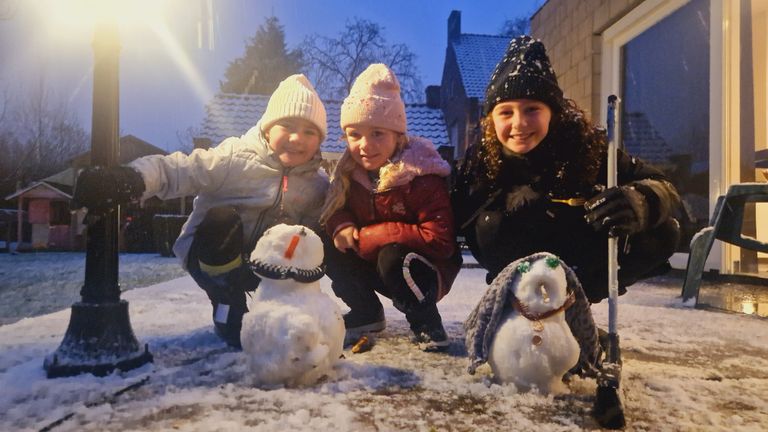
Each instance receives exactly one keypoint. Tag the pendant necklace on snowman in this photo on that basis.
(535, 318)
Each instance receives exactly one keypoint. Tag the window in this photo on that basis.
(59, 213)
(665, 81)
(691, 72)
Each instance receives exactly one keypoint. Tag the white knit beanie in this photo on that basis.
(295, 97)
(374, 100)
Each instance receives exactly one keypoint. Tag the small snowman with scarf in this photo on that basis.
(293, 334)
(533, 326)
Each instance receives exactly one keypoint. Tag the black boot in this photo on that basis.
(354, 281)
(228, 321)
(427, 327)
(414, 294)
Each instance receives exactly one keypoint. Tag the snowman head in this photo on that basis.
(288, 252)
(540, 284)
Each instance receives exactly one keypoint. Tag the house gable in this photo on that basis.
(41, 190)
(131, 148)
(476, 56)
(469, 63)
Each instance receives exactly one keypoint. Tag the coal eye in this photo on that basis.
(523, 267)
(553, 262)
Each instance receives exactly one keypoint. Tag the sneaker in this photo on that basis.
(431, 338)
(362, 323)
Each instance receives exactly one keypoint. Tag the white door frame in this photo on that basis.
(723, 94)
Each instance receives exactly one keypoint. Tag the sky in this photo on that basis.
(166, 79)
(684, 369)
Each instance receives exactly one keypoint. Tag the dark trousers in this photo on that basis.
(219, 235)
(356, 281)
(498, 242)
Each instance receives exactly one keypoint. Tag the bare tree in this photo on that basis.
(39, 137)
(517, 26)
(333, 63)
(186, 139)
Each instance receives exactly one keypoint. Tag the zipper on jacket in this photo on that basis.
(283, 192)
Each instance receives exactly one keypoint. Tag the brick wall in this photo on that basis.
(454, 104)
(571, 32)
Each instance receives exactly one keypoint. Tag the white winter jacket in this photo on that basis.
(241, 172)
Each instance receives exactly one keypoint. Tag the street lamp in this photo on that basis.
(99, 338)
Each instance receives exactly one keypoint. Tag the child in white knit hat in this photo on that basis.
(389, 216)
(243, 186)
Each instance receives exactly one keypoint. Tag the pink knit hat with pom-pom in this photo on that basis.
(374, 100)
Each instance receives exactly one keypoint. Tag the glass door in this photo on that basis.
(665, 80)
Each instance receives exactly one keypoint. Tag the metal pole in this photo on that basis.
(608, 409)
(101, 265)
(99, 338)
(613, 242)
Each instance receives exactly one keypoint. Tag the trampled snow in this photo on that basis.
(684, 369)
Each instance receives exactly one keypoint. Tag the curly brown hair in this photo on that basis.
(568, 159)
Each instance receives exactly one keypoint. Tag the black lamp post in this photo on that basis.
(99, 338)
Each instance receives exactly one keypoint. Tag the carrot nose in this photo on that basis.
(292, 247)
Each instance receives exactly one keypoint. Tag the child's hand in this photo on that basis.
(347, 238)
(619, 210)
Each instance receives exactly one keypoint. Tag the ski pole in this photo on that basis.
(608, 409)
(613, 242)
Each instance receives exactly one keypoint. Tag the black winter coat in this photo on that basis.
(527, 197)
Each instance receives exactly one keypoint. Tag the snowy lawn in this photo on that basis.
(33, 284)
(684, 370)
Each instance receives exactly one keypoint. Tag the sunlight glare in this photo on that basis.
(66, 16)
(182, 61)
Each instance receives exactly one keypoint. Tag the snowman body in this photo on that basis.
(293, 334)
(533, 347)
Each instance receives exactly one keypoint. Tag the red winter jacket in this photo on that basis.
(410, 206)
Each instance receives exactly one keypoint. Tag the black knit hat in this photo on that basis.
(523, 73)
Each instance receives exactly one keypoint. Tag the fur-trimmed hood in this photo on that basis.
(418, 157)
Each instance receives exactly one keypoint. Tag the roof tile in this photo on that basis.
(233, 114)
(477, 55)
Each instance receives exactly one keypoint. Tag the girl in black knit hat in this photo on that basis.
(535, 182)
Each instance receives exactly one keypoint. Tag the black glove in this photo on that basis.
(620, 210)
(106, 187)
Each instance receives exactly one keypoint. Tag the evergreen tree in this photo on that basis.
(266, 62)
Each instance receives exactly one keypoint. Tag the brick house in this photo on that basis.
(691, 76)
(50, 223)
(51, 226)
(469, 62)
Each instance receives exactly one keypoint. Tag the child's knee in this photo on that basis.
(410, 278)
(659, 243)
(218, 241)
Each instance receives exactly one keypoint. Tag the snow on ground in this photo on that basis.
(32, 284)
(684, 370)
